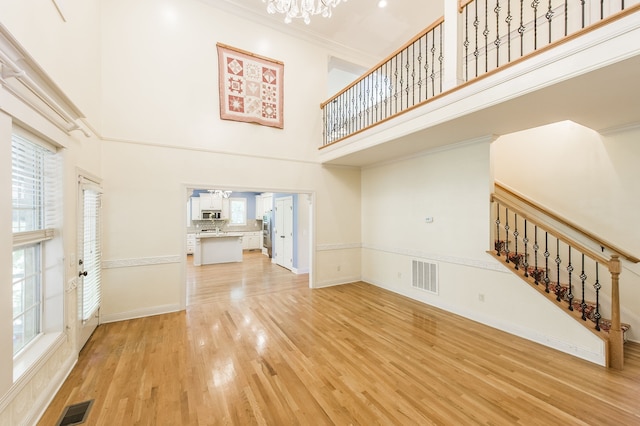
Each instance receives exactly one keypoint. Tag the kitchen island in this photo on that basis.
(213, 247)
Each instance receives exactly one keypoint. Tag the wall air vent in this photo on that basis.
(424, 275)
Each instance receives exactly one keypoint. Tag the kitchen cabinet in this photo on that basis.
(252, 240)
(210, 202)
(259, 207)
(195, 208)
(191, 243)
(224, 206)
(267, 202)
(217, 248)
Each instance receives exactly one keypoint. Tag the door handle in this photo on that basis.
(281, 236)
(82, 273)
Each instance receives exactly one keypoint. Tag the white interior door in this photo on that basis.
(89, 260)
(283, 243)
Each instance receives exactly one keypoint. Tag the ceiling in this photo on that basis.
(357, 26)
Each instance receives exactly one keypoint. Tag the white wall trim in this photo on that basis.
(141, 261)
(532, 335)
(490, 264)
(338, 246)
(338, 281)
(141, 313)
(300, 271)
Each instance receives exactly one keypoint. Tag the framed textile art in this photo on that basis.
(251, 87)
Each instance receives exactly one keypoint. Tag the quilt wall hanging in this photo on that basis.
(251, 87)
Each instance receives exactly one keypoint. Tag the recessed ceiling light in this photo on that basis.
(382, 3)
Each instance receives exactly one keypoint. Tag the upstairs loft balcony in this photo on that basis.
(487, 68)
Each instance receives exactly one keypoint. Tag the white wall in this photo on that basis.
(589, 178)
(69, 51)
(162, 131)
(68, 55)
(453, 186)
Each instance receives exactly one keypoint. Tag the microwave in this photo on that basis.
(210, 214)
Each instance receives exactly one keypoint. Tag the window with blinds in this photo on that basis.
(91, 251)
(30, 166)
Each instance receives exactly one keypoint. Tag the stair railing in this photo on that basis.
(526, 239)
(491, 35)
(408, 77)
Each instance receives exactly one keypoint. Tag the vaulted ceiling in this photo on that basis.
(359, 26)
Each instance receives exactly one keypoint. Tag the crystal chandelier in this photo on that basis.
(301, 8)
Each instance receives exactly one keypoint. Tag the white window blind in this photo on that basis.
(91, 256)
(31, 165)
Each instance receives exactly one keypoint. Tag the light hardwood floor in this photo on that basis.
(257, 346)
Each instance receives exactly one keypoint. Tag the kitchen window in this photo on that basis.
(238, 211)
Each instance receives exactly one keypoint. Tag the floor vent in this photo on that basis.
(75, 414)
(424, 275)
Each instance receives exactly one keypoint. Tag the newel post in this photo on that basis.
(616, 342)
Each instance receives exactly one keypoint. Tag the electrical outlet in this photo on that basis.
(399, 274)
(481, 297)
(339, 268)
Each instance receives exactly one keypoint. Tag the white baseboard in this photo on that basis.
(140, 313)
(583, 353)
(339, 281)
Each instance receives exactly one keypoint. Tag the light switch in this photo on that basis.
(429, 219)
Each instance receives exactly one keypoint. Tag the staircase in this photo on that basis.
(560, 260)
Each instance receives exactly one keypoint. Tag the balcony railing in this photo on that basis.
(492, 34)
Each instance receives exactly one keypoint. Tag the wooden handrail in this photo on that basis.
(556, 217)
(559, 235)
(385, 60)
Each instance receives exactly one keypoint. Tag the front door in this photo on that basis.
(89, 260)
(283, 242)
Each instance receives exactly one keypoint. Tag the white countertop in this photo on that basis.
(219, 235)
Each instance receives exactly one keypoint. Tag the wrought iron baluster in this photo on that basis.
(506, 234)
(515, 238)
(420, 70)
(476, 24)
(497, 41)
(534, 5)
(597, 286)
(583, 304)
(521, 28)
(601, 9)
(387, 88)
(426, 64)
(546, 262)
(525, 241)
(433, 63)
(498, 244)
(395, 86)
(536, 273)
(558, 262)
(508, 20)
(466, 43)
(360, 110)
(582, 3)
(566, 17)
(549, 16)
(570, 293)
(401, 78)
(413, 75)
(410, 74)
(485, 33)
(441, 58)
